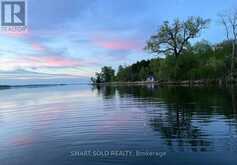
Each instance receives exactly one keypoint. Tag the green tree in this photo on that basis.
(174, 38)
(143, 73)
(97, 78)
(202, 47)
(107, 74)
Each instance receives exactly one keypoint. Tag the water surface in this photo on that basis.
(82, 124)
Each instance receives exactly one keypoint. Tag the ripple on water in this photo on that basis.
(47, 124)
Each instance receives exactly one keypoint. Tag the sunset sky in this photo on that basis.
(69, 40)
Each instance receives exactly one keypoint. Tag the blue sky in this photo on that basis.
(69, 40)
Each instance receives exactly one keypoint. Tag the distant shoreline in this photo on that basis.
(30, 86)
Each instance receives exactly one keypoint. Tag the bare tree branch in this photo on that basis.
(229, 20)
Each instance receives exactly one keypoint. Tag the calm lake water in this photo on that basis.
(118, 125)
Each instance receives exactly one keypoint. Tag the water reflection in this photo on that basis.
(188, 114)
(48, 123)
(105, 91)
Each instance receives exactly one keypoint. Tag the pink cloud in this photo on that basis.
(38, 47)
(53, 61)
(16, 34)
(59, 61)
(50, 61)
(117, 44)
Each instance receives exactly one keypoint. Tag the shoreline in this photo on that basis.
(29, 86)
(188, 83)
(174, 83)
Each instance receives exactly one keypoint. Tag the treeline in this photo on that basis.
(201, 61)
(182, 60)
